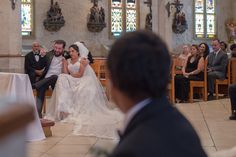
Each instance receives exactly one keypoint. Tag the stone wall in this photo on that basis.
(10, 33)
(224, 11)
(75, 13)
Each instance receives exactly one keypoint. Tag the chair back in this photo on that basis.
(205, 72)
(233, 72)
(171, 85)
(99, 67)
(228, 72)
(178, 65)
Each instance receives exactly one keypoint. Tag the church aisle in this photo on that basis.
(210, 119)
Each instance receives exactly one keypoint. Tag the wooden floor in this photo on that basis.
(210, 119)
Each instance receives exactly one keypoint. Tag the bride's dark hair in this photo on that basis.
(74, 46)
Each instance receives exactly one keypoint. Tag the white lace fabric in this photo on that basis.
(86, 105)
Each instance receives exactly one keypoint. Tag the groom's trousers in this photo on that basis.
(41, 87)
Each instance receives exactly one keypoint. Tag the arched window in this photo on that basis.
(123, 16)
(205, 19)
(27, 17)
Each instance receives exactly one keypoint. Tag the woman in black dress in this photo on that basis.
(192, 70)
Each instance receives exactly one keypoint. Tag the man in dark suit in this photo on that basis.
(232, 95)
(49, 76)
(35, 63)
(139, 67)
(217, 63)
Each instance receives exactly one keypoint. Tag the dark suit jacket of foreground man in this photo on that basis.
(159, 130)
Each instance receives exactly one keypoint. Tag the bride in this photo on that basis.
(79, 98)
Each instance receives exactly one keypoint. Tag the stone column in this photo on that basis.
(161, 22)
(155, 15)
(10, 33)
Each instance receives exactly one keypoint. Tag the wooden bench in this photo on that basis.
(47, 124)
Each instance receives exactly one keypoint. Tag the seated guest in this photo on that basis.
(138, 64)
(232, 95)
(217, 64)
(233, 50)
(224, 46)
(185, 54)
(204, 50)
(192, 70)
(35, 63)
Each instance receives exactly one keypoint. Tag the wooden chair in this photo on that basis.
(199, 84)
(100, 69)
(171, 85)
(178, 66)
(225, 81)
(233, 71)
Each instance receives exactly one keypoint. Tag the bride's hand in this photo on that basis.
(84, 61)
(64, 62)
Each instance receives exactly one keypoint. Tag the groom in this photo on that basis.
(139, 67)
(53, 68)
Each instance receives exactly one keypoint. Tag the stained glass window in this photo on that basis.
(205, 21)
(26, 17)
(124, 16)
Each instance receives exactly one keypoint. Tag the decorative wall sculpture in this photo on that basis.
(179, 22)
(96, 20)
(13, 4)
(55, 19)
(231, 30)
(148, 22)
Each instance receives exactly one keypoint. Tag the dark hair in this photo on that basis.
(207, 50)
(74, 46)
(215, 39)
(196, 46)
(232, 47)
(139, 65)
(60, 42)
(225, 45)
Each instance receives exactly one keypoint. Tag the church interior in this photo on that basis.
(98, 24)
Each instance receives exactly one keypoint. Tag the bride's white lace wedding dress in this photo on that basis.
(82, 101)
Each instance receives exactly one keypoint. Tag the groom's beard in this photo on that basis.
(57, 54)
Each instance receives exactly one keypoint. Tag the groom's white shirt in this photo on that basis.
(132, 112)
(55, 66)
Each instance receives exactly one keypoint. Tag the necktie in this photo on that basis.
(214, 55)
(36, 55)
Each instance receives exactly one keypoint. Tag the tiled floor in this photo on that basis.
(210, 119)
